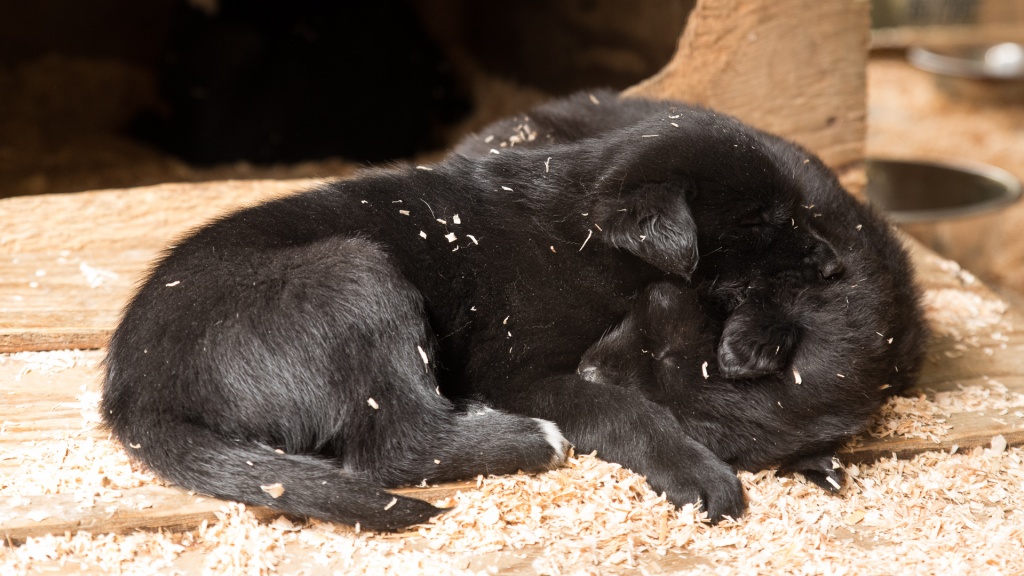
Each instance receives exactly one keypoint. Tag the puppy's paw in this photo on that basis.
(559, 445)
(823, 470)
(719, 497)
(750, 349)
(710, 482)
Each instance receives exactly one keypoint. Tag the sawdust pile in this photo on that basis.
(936, 513)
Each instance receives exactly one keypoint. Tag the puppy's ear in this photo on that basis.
(653, 221)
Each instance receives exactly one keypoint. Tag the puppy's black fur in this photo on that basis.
(273, 328)
(847, 344)
(851, 325)
(730, 252)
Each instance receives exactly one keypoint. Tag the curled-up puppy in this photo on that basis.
(753, 318)
(825, 353)
(294, 354)
(731, 254)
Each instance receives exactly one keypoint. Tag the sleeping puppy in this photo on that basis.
(730, 252)
(751, 319)
(299, 354)
(847, 344)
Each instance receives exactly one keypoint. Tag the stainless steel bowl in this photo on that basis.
(981, 75)
(909, 191)
(1003, 61)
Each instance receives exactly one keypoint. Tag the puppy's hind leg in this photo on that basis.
(482, 440)
(399, 429)
(463, 442)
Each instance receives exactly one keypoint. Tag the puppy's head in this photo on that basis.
(699, 191)
(651, 334)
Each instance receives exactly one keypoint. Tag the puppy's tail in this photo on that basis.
(198, 459)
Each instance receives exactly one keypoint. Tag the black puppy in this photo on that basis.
(747, 318)
(846, 345)
(291, 354)
(730, 252)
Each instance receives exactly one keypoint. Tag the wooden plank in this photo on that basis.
(792, 67)
(62, 285)
(151, 507)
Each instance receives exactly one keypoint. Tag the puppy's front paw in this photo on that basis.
(708, 481)
(750, 349)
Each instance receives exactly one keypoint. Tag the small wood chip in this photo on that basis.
(427, 168)
(594, 100)
(547, 165)
(373, 403)
(456, 220)
(392, 503)
(173, 284)
(423, 234)
(403, 212)
(37, 515)
(796, 376)
(704, 370)
(506, 188)
(275, 490)
(423, 355)
(493, 151)
(473, 238)
(998, 444)
(451, 237)
(585, 240)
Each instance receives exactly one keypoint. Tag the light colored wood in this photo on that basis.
(70, 261)
(792, 67)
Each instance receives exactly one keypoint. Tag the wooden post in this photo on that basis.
(792, 67)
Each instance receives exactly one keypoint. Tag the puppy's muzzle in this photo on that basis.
(825, 259)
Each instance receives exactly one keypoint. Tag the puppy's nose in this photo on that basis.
(828, 261)
(588, 373)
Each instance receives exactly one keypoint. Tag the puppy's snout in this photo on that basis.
(589, 373)
(827, 261)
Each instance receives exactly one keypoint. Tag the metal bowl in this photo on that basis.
(1003, 61)
(982, 75)
(910, 191)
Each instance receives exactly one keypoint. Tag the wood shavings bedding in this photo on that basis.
(936, 513)
(959, 313)
(45, 362)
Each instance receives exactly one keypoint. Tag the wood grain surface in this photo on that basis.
(792, 67)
